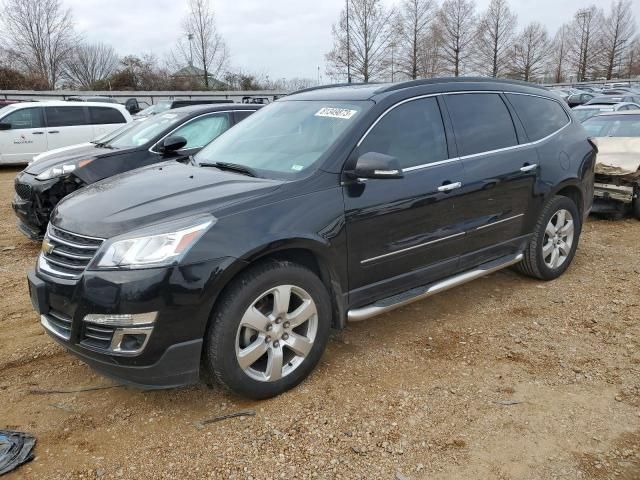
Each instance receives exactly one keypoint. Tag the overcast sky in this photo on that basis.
(282, 38)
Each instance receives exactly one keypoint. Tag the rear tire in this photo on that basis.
(268, 330)
(635, 205)
(554, 241)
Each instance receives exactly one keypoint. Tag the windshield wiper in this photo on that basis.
(103, 145)
(234, 167)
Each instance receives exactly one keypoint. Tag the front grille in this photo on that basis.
(97, 336)
(23, 190)
(66, 254)
(59, 323)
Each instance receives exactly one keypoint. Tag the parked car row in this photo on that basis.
(588, 101)
(327, 206)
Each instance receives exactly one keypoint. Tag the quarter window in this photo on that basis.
(412, 132)
(65, 116)
(203, 130)
(540, 116)
(24, 118)
(105, 115)
(481, 122)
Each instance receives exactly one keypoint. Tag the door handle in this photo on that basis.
(528, 168)
(449, 186)
(54, 131)
(37, 133)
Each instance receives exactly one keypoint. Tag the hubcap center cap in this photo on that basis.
(277, 330)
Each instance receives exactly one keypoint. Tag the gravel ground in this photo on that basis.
(504, 378)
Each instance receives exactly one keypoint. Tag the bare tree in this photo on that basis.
(431, 52)
(496, 30)
(41, 35)
(370, 36)
(414, 19)
(530, 52)
(201, 45)
(457, 22)
(632, 60)
(585, 41)
(618, 31)
(558, 51)
(90, 63)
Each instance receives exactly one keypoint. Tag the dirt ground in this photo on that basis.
(502, 378)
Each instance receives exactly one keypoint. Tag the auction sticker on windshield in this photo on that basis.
(344, 113)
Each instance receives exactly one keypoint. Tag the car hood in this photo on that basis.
(618, 156)
(64, 155)
(154, 194)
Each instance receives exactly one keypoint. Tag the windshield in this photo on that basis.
(144, 131)
(155, 109)
(285, 138)
(105, 138)
(613, 126)
(585, 113)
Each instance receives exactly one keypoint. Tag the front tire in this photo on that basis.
(554, 241)
(268, 330)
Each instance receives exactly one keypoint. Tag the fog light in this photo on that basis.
(122, 320)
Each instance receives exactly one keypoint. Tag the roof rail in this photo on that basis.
(431, 81)
(332, 85)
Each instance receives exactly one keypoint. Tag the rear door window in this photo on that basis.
(105, 115)
(481, 122)
(65, 116)
(540, 116)
(24, 118)
(412, 132)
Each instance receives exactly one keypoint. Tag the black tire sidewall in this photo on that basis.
(558, 203)
(222, 335)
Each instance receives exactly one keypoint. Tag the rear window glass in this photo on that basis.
(613, 126)
(481, 122)
(539, 116)
(65, 116)
(105, 115)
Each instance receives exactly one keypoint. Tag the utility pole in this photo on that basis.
(190, 38)
(348, 47)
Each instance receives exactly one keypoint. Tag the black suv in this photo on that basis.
(171, 135)
(330, 205)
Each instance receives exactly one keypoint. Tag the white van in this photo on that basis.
(30, 128)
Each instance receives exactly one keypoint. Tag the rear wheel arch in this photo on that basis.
(575, 194)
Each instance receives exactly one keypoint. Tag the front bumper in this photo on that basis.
(170, 355)
(33, 205)
(612, 197)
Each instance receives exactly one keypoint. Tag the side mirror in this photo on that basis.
(376, 165)
(5, 126)
(172, 144)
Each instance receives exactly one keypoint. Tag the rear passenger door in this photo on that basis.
(500, 172)
(104, 120)
(67, 125)
(404, 232)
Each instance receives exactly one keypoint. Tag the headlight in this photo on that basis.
(153, 249)
(65, 169)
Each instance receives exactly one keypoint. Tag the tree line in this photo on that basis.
(428, 38)
(41, 49)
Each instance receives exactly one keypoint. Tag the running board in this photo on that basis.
(419, 293)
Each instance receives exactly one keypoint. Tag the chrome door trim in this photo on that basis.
(499, 221)
(431, 242)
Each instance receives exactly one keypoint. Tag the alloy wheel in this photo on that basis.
(558, 239)
(276, 333)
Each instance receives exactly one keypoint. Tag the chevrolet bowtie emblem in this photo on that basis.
(47, 247)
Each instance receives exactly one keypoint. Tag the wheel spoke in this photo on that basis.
(555, 257)
(567, 229)
(546, 250)
(252, 318)
(301, 314)
(299, 344)
(250, 355)
(564, 248)
(560, 219)
(274, 364)
(281, 299)
(551, 229)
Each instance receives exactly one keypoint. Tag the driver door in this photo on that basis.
(26, 138)
(405, 232)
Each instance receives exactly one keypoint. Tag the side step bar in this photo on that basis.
(419, 293)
